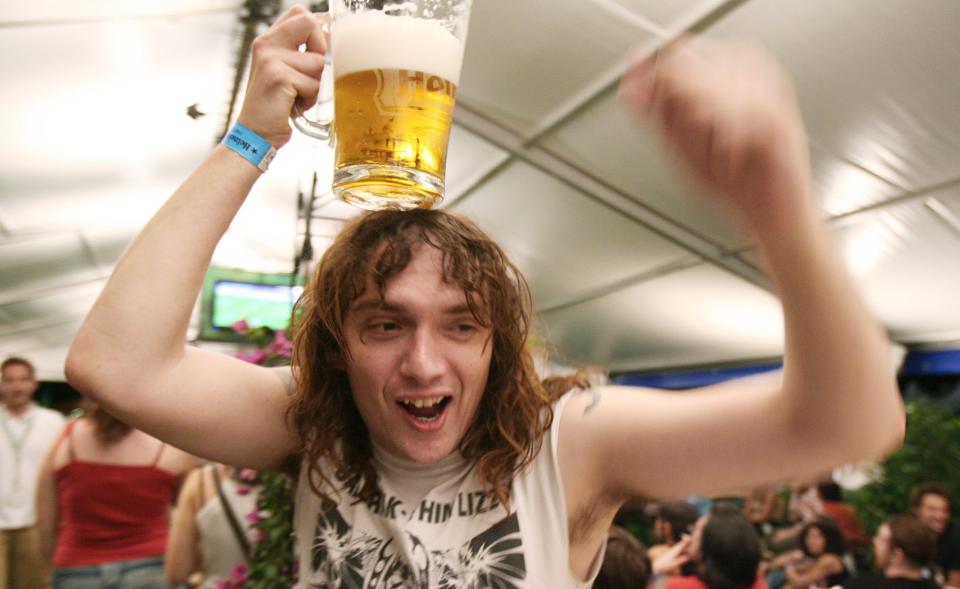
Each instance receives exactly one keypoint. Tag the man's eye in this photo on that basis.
(465, 328)
(385, 327)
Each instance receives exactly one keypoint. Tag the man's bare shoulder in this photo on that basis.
(285, 374)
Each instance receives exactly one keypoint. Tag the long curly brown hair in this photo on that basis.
(515, 409)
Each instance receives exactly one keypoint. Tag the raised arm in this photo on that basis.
(48, 520)
(129, 354)
(183, 557)
(732, 119)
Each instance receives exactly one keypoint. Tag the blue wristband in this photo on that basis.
(251, 146)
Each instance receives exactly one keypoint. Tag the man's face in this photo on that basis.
(882, 547)
(418, 363)
(17, 386)
(934, 511)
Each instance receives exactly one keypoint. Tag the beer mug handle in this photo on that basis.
(319, 129)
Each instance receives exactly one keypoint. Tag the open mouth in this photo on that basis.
(425, 410)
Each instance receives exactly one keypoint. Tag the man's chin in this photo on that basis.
(430, 455)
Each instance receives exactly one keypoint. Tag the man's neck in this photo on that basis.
(17, 410)
(902, 571)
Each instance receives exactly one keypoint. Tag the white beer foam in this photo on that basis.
(373, 40)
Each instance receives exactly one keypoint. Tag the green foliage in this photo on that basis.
(272, 565)
(930, 452)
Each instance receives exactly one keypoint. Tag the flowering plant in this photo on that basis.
(271, 560)
(273, 347)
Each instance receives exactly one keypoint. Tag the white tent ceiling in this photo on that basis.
(629, 267)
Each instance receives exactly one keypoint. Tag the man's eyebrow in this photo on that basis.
(377, 304)
(459, 309)
(374, 304)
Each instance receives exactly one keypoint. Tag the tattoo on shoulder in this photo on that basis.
(594, 398)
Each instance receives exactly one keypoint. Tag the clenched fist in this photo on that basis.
(281, 74)
(729, 113)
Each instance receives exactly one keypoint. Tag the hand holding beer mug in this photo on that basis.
(396, 68)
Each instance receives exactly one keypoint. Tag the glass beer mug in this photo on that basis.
(396, 66)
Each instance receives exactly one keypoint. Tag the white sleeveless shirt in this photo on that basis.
(433, 528)
(219, 546)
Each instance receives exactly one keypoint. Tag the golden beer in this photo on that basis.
(396, 69)
(392, 127)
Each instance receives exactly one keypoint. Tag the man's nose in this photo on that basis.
(423, 359)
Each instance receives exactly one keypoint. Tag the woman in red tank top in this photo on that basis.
(104, 497)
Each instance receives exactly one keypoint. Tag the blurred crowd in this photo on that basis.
(94, 502)
(794, 536)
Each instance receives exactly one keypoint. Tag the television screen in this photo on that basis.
(229, 295)
(260, 304)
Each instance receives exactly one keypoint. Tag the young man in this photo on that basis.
(902, 547)
(930, 503)
(26, 433)
(441, 458)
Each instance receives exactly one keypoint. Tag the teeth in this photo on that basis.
(424, 402)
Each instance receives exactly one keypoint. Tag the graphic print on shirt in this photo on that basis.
(351, 559)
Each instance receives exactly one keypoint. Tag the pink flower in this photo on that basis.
(256, 357)
(261, 536)
(243, 489)
(238, 575)
(252, 518)
(241, 326)
(248, 474)
(280, 345)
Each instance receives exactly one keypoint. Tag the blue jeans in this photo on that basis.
(140, 573)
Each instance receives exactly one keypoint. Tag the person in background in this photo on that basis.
(845, 516)
(902, 548)
(931, 504)
(104, 496)
(625, 563)
(26, 433)
(673, 519)
(760, 506)
(725, 550)
(823, 548)
(812, 500)
(211, 532)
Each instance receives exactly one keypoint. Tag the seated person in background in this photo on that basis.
(211, 533)
(803, 507)
(845, 516)
(811, 501)
(761, 502)
(818, 561)
(672, 520)
(103, 503)
(902, 547)
(625, 564)
(930, 503)
(725, 550)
